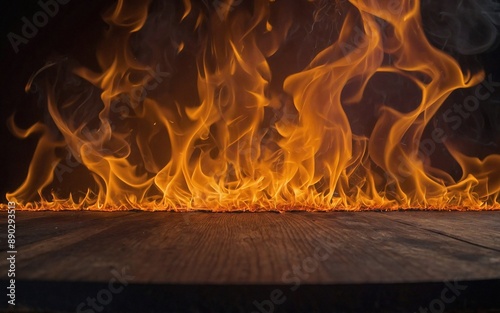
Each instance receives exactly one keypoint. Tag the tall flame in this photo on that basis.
(232, 132)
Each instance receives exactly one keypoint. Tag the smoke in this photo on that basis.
(465, 27)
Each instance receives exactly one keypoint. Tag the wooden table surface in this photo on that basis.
(254, 249)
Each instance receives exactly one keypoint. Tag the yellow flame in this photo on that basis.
(220, 151)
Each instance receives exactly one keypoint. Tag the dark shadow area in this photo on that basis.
(44, 296)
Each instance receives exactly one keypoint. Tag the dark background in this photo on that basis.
(72, 31)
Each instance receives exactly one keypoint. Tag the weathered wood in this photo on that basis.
(258, 247)
(400, 252)
(478, 228)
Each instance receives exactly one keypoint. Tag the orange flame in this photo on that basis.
(208, 140)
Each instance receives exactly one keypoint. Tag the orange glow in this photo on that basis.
(235, 143)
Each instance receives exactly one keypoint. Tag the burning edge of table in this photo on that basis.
(41, 207)
(257, 262)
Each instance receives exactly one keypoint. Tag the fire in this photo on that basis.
(197, 110)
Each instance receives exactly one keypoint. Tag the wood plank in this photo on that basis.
(479, 228)
(250, 248)
(45, 228)
(173, 262)
(379, 250)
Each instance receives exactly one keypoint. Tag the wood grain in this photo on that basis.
(229, 262)
(256, 248)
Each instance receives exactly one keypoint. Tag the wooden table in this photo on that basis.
(256, 262)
